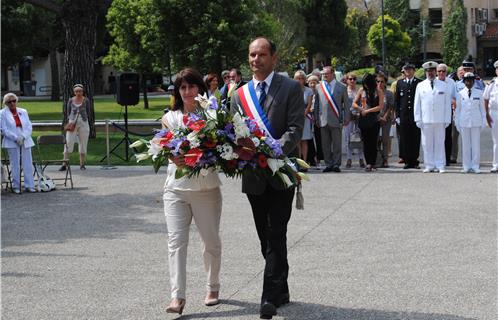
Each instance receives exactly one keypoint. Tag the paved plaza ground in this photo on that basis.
(391, 245)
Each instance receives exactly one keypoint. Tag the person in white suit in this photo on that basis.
(432, 114)
(16, 130)
(470, 118)
(491, 105)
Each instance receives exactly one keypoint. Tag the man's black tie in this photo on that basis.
(432, 84)
(262, 95)
(470, 92)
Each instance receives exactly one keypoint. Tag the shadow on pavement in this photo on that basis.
(301, 311)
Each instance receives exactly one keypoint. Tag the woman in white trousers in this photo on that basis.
(197, 198)
(16, 130)
(491, 106)
(470, 119)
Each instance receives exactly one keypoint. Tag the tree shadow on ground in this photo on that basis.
(84, 212)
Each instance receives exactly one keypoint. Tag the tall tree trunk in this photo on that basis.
(54, 70)
(144, 89)
(79, 18)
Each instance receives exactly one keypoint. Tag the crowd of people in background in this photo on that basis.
(432, 113)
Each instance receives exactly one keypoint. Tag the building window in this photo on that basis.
(436, 17)
(496, 13)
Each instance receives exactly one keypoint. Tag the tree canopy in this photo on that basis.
(397, 42)
(454, 34)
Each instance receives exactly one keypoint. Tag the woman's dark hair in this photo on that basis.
(369, 85)
(210, 77)
(190, 76)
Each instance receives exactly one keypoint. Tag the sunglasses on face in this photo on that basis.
(380, 81)
(352, 79)
(10, 101)
(441, 71)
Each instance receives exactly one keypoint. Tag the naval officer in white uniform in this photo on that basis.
(470, 118)
(491, 106)
(432, 114)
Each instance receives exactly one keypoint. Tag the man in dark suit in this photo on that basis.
(409, 132)
(282, 101)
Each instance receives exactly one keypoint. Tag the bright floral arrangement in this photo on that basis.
(213, 138)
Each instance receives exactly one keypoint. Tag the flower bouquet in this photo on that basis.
(214, 138)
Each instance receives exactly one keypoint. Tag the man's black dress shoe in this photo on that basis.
(336, 169)
(327, 169)
(267, 310)
(283, 299)
(453, 161)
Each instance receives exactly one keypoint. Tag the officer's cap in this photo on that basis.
(429, 65)
(469, 75)
(408, 65)
(467, 64)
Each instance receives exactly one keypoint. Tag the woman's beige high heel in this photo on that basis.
(211, 298)
(176, 307)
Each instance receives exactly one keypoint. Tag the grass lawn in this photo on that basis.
(96, 150)
(105, 108)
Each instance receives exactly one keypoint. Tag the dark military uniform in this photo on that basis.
(409, 132)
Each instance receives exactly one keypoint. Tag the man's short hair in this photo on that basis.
(273, 47)
(442, 66)
(237, 71)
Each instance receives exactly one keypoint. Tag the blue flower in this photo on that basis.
(160, 133)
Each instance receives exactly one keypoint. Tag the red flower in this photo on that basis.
(231, 164)
(164, 140)
(258, 133)
(192, 157)
(262, 162)
(185, 119)
(210, 144)
(245, 149)
(197, 125)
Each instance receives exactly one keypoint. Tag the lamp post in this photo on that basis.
(383, 39)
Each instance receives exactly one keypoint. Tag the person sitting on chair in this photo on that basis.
(16, 129)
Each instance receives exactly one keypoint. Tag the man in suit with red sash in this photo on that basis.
(281, 101)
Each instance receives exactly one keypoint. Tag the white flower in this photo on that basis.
(204, 172)
(302, 164)
(142, 156)
(154, 150)
(193, 139)
(255, 141)
(242, 131)
(285, 179)
(275, 164)
(203, 100)
(303, 176)
(211, 113)
(136, 144)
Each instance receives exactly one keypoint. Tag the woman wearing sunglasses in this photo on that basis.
(16, 132)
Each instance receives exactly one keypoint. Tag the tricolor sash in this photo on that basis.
(330, 98)
(252, 109)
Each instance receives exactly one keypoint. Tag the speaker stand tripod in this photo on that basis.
(126, 140)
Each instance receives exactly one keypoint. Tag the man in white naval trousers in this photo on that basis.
(432, 114)
(470, 118)
(491, 106)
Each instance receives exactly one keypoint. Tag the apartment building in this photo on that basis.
(482, 29)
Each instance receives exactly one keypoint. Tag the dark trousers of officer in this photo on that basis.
(410, 140)
(448, 143)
